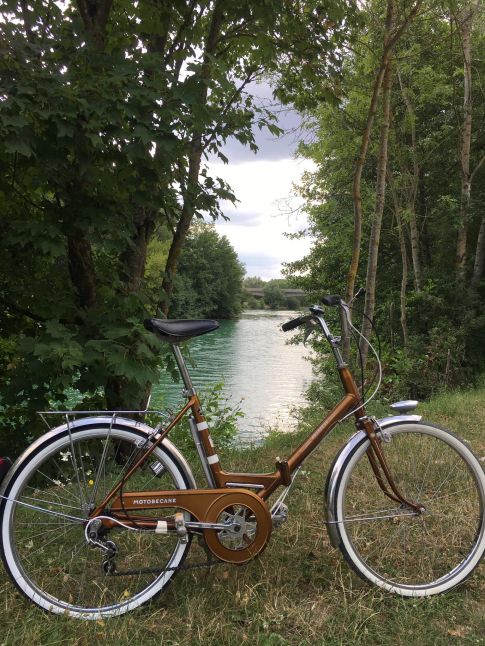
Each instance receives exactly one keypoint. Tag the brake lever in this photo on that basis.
(309, 328)
(360, 292)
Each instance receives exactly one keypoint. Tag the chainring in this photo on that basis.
(248, 530)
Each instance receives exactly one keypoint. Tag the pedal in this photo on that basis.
(180, 527)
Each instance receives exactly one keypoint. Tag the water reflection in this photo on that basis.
(251, 358)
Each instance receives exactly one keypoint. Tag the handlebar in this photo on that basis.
(291, 325)
(317, 316)
(331, 300)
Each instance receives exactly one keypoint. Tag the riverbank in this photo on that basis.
(299, 592)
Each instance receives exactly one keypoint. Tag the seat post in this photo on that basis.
(189, 387)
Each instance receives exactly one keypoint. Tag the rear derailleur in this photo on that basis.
(96, 539)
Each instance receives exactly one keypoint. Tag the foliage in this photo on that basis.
(209, 281)
(221, 414)
(442, 343)
(253, 281)
(273, 296)
(107, 112)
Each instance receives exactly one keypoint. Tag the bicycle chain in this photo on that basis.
(153, 570)
(194, 566)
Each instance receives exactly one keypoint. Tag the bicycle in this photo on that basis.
(98, 514)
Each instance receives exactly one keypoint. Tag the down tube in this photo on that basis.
(312, 441)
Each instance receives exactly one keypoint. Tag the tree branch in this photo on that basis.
(177, 41)
(237, 92)
(95, 14)
(477, 168)
(11, 305)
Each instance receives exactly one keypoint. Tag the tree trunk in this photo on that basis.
(195, 155)
(404, 262)
(133, 259)
(82, 272)
(413, 192)
(390, 40)
(465, 24)
(81, 269)
(415, 250)
(370, 283)
(95, 17)
(359, 167)
(183, 226)
(479, 255)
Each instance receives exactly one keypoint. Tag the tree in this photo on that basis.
(108, 112)
(273, 296)
(209, 282)
(392, 33)
(427, 340)
(464, 21)
(253, 281)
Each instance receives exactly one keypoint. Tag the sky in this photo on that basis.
(267, 207)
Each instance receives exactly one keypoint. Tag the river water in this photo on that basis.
(260, 372)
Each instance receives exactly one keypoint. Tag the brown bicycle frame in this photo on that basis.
(266, 483)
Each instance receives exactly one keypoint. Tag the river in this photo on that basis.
(260, 372)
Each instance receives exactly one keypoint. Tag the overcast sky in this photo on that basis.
(263, 183)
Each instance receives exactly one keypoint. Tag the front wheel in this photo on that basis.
(393, 546)
(43, 520)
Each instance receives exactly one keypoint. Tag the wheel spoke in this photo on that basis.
(51, 558)
(414, 553)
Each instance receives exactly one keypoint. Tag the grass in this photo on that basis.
(299, 591)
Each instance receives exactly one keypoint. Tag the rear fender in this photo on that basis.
(100, 421)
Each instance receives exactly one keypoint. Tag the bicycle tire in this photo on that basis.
(48, 558)
(392, 547)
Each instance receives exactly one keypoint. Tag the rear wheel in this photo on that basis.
(47, 554)
(391, 545)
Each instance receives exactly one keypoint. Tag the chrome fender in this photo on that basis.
(107, 421)
(341, 459)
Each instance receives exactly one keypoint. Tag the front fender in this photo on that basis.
(341, 459)
(332, 480)
(106, 421)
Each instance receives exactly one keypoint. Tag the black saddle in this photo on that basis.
(179, 330)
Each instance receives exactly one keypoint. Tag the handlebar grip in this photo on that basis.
(291, 325)
(331, 300)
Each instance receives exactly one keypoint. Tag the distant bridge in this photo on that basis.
(258, 292)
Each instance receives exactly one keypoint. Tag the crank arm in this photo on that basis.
(148, 524)
(215, 526)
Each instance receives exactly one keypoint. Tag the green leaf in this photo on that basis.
(18, 145)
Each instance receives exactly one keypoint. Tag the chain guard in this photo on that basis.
(249, 526)
(247, 517)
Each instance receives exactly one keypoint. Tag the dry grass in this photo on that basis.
(300, 591)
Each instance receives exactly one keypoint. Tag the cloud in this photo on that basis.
(240, 218)
(270, 147)
(257, 227)
(262, 265)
